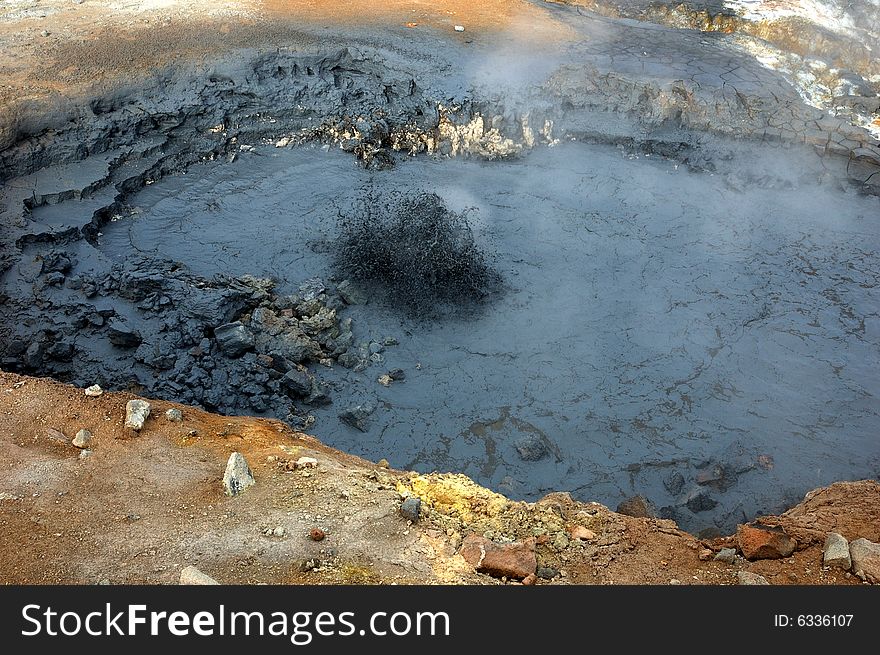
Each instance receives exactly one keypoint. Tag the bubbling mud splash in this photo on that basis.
(421, 255)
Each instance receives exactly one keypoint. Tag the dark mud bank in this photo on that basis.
(687, 315)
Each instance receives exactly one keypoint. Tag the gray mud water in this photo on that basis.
(685, 316)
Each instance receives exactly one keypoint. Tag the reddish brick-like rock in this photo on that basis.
(513, 560)
(763, 542)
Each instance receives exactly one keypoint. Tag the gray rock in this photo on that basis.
(865, 559)
(726, 555)
(397, 374)
(749, 578)
(280, 531)
(82, 439)
(356, 416)
(296, 382)
(531, 448)
(234, 339)
(637, 506)
(174, 415)
(122, 334)
(674, 483)
(410, 508)
(192, 576)
(136, 412)
(351, 293)
(836, 551)
(238, 476)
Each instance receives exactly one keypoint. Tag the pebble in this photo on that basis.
(410, 508)
(192, 576)
(238, 476)
(56, 435)
(530, 580)
(385, 380)
(317, 534)
(749, 578)
(459, 28)
(675, 581)
(174, 415)
(45, 33)
(94, 391)
(136, 412)
(280, 531)
(84, 454)
(306, 463)
(547, 572)
(705, 555)
(383, 463)
(82, 439)
(726, 555)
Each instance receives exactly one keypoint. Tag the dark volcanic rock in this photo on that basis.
(234, 339)
(701, 502)
(674, 483)
(298, 383)
(122, 334)
(356, 416)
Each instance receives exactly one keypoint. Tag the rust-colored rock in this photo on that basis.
(764, 542)
(513, 560)
(317, 534)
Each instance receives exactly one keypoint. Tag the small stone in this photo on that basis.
(383, 464)
(547, 572)
(674, 581)
(192, 576)
(45, 33)
(282, 142)
(82, 439)
(762, 542)
(531, 448)
(296, 382)
(530, 580)
(749, 578)
(459, 28)
(122, 335)
(174, 415)
(234, 339)
(674, 483)
(306, 463)
(238, 476)
(705, 555)
(701, 502)
(385, 380)
(280, 531)
(410, 508)
(637, 506)
(836, 552)
(356, 416)
(397, 374)
(94, 391)
(865, 559)
(513, 560)
(85, 454)
(581, 533)
(726, 555)
(317, 534)
(136, 412)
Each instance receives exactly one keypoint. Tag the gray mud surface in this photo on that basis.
(690, 309)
